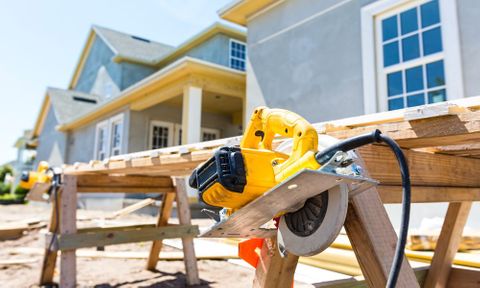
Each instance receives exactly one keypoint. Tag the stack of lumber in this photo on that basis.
(435, 136)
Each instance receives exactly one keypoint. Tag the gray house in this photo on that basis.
(339, 58)
(130, 94)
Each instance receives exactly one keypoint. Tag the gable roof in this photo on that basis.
(67, 105)
(132, 48)
(126, 47)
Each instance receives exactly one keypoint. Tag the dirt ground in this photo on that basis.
(103, 272)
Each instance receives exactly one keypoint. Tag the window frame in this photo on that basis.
(169, 125)
(112, 121)
(230, 57)
(101, 125)
(374, 82)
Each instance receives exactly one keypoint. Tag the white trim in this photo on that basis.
(263, 10)
(101, 125)
(370, 56)
(157, 123)
(230, 57)
(177, 135)
(116, 120)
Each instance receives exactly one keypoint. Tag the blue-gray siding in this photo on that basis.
(215, 50)
(124, 74)
(51, 143)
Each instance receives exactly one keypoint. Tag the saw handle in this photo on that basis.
(266, 123)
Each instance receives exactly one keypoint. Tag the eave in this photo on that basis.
(239, 11)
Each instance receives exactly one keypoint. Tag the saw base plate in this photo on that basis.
(248, 221)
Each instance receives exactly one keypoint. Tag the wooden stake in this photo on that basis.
(447, 245)
(183, 209)
(68, 218)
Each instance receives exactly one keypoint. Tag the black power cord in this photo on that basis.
(377, 137)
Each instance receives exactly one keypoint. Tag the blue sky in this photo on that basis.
(42, 40)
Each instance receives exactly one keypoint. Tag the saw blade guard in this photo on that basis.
(312, 228)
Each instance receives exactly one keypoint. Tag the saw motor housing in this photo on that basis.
(235, 176)
(29, 178)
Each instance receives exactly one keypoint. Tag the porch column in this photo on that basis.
(191, 114)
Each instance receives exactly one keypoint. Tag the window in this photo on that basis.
(165, 134)
(108, 138)
(116, 135)
(101, 141)
(209, 134)
(238, 53)
(414, 59)
(161, 134)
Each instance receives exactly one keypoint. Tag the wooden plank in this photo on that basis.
(125, 190)
(247, 222)
(272, 270)
(448, 243)
(67, 242)
(123, 181)
(439, 131)
(162, 220)
(184, 217)
(132, 208)
(68, 226)
(373, 239)
(433, 110)
(50, 257)
(459, 278)
(426, 169)
(9, 232)
(428, 194)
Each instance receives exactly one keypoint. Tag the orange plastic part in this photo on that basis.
(248, 250)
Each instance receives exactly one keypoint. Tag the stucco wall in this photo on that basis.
(304, 51)
(311, 67)
(51, 143)
(468, 12)
(140, 124)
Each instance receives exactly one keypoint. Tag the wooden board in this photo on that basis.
(112, 237)
(247, 222)
(37, 192)
(68, 226)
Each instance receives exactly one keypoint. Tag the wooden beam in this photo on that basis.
(272, 270)
(122, 235)
(68, 227)
(125, 190)
(184, 217)
(162, 220)
(463, 278)
(447, 245)
(134, 207)
(426, 169)
(123, 181)
(437, 131)
(428, 194)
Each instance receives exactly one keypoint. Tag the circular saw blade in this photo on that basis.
(312, 228)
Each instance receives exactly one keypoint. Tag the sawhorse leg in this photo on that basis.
(184, 217)
(68, 225)
(447, 245)
(272, 270)
(50, 256)
(162, 220)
